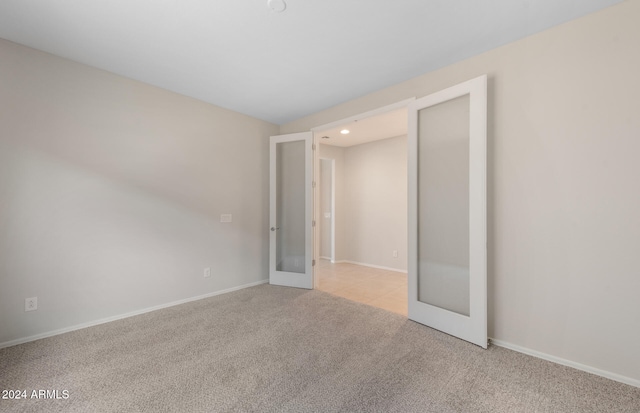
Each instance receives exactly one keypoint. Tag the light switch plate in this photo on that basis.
(226, 217)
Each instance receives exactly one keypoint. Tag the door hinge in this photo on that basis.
(313, 263)
(313, 184)
(313, 146)
(313, 223)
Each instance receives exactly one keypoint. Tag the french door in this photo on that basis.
(447, 211)
(291, 210)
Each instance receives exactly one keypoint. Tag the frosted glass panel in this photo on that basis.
(290, 192)
(443, 205)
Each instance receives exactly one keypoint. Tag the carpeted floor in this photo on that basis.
(276, 349)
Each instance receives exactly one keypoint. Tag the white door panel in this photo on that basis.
(447, 211)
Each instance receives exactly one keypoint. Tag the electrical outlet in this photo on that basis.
(395, 253)
(31, 304)
(207, 272)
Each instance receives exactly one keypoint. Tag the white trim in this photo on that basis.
(364, 264)
(333, 209)
(384, 109)
(319, 217)
(558, 360)
(316, 204)
(326, 258)
(126, 315)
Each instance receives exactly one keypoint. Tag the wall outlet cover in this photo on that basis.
(31, 304)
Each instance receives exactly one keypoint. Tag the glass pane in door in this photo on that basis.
(290, 206)
(443, 205)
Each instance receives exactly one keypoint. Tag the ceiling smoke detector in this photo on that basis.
(277, 6)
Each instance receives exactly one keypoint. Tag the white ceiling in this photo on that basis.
(383, 126)
(278, 67)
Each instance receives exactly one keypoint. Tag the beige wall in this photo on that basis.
(375, 181)
(563, 196)
(111, 193)
(371, 202)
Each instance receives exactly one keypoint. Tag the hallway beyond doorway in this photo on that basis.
(376, 287)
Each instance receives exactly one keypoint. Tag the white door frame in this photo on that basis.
(332, 247)
(474, 327)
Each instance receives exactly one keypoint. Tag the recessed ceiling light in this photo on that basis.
(277, 5)
(344, 131)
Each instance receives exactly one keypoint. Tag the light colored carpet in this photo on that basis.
(276, 349)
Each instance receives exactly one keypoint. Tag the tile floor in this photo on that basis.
(378, 288)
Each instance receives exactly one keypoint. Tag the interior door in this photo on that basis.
(447, 211)
(291, 209)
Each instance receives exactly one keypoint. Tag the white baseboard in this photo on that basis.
(127, 315)
(598, 372)
(325, 258)
(568, 363)
(369, 265)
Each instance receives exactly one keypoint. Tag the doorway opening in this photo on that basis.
(361, 208)
(446, 138)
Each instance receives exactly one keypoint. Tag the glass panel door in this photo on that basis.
(290, 210)
(447, 211)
